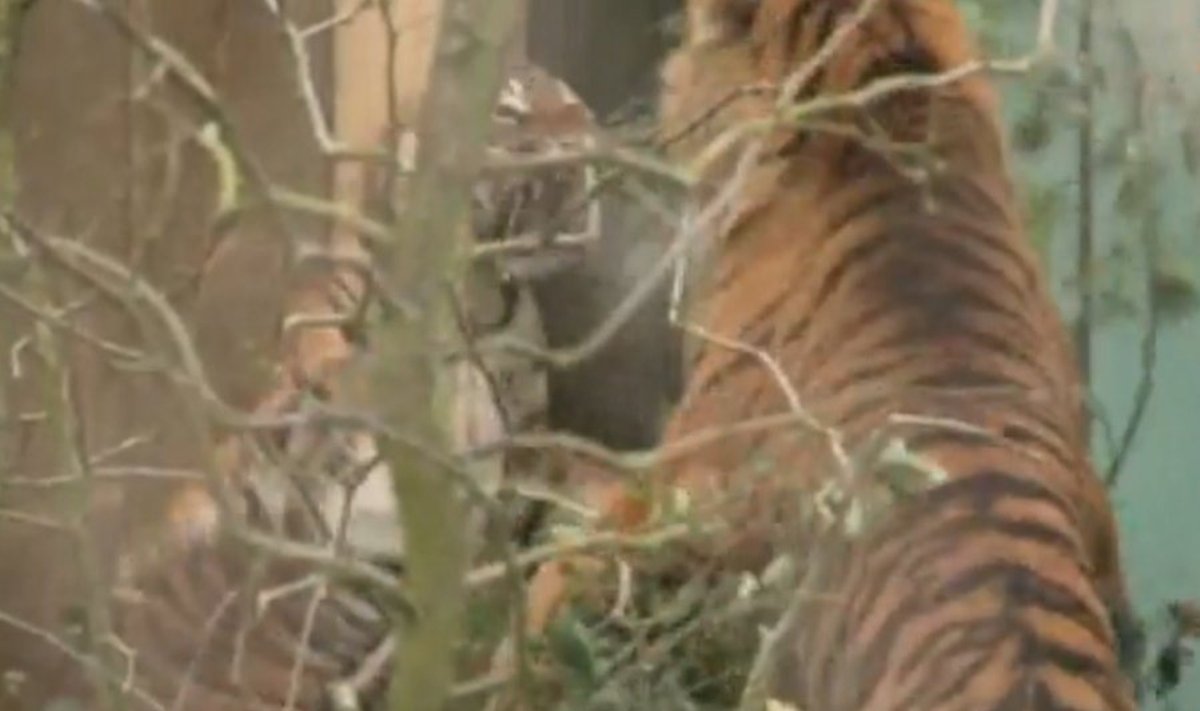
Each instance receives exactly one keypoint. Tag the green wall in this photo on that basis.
(1147, 191)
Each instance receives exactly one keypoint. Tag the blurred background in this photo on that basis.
(1107, 151)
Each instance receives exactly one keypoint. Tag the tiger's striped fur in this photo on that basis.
(876, 255)
(218, 624)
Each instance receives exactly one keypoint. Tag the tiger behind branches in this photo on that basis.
(276, 582)
(875, 256)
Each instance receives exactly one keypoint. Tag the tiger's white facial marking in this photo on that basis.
(719, 21)
(514, 104)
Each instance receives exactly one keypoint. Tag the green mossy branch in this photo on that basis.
(429, 253)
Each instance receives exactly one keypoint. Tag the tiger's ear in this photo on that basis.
(720, 20)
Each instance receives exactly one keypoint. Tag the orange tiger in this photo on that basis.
(874, 279)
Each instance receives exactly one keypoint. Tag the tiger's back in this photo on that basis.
(878, 259)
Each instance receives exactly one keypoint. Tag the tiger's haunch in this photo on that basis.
(878, 257)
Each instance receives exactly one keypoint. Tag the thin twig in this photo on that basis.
(296, 676)
(28, 519)
(794, 114)
(141, 299)
(58, 320)
(209, 630)
(367, 673)
(82, 659)
(298, 47)
(97, 606)
(1149, 362)
(114, 473)
(642, 460)
(601, 156)
(190, 80)
(1085, 247)
(794, 84)
(597, 541)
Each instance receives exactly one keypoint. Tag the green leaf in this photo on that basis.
(572, 647)
(1033, 131)
(1043, 206)
(1175, 290)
